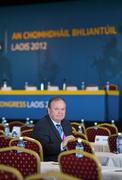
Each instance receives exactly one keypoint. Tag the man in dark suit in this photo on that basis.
(53, 131)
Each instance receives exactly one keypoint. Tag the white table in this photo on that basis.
(109, 173)
(99, 147)
(49, 166)
(109, 159)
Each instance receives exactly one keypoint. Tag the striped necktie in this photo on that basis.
(60, 130)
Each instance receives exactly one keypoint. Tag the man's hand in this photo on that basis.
(66, 140)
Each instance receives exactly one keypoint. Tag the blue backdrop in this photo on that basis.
(77, 41)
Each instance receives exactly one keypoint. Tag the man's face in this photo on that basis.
(57, 110)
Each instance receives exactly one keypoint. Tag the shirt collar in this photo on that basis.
(55, 122)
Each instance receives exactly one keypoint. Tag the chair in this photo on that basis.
(111, 87)
(79, 135)
(51, 175)
(30, 143)
(111, 127)
(92, 131)
(73, 129)
(112, 143)
(27, 132)
(15, 123)
(26, 161)
(2, 132)
(87, 147)
(4, 141)
(1, 127)
(86, 167)
(76, 125)
(26, 127)
(10, 173)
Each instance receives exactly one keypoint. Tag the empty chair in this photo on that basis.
(15, 123)
(111, 127)
(51, 175)
(30, 143)
(86, 167)
(87, 147)
(75, 126)
(24, 160)
(112, 143)
(27, 132)
(111, 87)
(26, 127)
(9, 173)
(92, 131)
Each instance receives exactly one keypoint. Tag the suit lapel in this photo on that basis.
(64, 126)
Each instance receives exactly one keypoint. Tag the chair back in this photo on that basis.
(15, 123)
(26, 161)
(73, 129)
(1, 127)
(26, 127)
(75, 126)
(87, 147)
(92, 131)
(112, 143)
(30, 143)
(111, 127)
(79, 135)
(51, 175)
(86, 167)
(112, 87)
(10, 173)
(27, 132)
(4, 141)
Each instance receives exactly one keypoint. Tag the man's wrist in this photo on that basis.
(63, 147)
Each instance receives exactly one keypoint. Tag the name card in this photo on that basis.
(17, 129)
(31, 88)
(101, 139)
(92, 88)
(71, 88)
(7, 88)
(53, 88)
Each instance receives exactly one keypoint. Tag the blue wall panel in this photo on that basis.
(93, 58)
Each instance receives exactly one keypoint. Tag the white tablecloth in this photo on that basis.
(109, 173)
(98, 147)
(49, 166)
(109, 159)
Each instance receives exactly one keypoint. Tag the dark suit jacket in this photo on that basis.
(45, 132)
